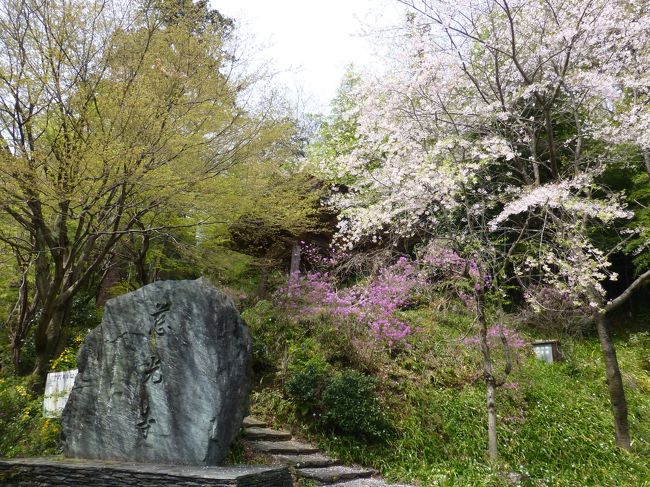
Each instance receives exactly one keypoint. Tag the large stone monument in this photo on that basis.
(165, 378)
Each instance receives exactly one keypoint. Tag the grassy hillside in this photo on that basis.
(555, 424)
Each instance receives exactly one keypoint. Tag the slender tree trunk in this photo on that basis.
(646, 160)
(17, 330)
(612, 370)
(614, 383)
(533, 149)
(552, 154)
(50, 340)
(491, 393)
(21, 325)
(143, 271)
(490, 382)
(16, 352)
(295, 259)
(536, 174)
(262, 287)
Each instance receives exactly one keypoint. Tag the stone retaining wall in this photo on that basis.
(60, 472)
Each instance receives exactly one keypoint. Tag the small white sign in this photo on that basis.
(544, 352)
(57, 391)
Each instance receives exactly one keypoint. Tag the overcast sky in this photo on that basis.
(310, 42)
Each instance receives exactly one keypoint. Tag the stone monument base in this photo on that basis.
(67, 472)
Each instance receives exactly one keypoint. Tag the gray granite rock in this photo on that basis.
(62, 472)
(368, 483)
(165, 378)
(284, 447)
(255, 433)
(307, 461)
(331, 474)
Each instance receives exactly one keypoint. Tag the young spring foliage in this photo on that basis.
(111, 115)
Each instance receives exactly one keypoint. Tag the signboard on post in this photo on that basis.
(547, 350)
(57, 390)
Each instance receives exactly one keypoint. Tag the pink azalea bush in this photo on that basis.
(556, 310)
(372, 303)
(494, 336)
(468, 279)
(464, 274)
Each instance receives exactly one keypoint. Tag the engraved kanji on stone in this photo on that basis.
(159, 318)
(144, 426)
(145, 423)
(152, 371)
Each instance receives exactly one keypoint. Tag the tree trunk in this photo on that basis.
(533, 149)
(21, 325)
(16, 351)
(491, 393)
(262, 287)
(614, 383)
(50, 340)
(555, 172)
(143, 270)
(490, 381)
(295, 259)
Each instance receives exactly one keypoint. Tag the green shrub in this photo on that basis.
(305, 387)
(350, 406)
(307, 374)
(270, 333)
(303, 353)
(68, 358)
(344, 402)
(273, 406)
(23, 429)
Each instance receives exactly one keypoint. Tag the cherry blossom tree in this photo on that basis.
(491, 133)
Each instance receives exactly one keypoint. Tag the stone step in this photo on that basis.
(329, 475)
(307, 461)
(253, 422)
(255, 433)
(284, 447)
(59, 471)
(368, 483)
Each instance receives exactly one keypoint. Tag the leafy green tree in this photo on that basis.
(110, 116)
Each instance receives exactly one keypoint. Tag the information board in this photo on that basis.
(57, 390)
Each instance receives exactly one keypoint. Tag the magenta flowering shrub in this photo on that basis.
(372, 303)
(316, 259)
(495, 342)
(463, 274)
(513, 339)
(555, 310)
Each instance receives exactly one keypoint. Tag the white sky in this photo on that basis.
(310, 42)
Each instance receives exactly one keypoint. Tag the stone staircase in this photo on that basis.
(306, 461)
